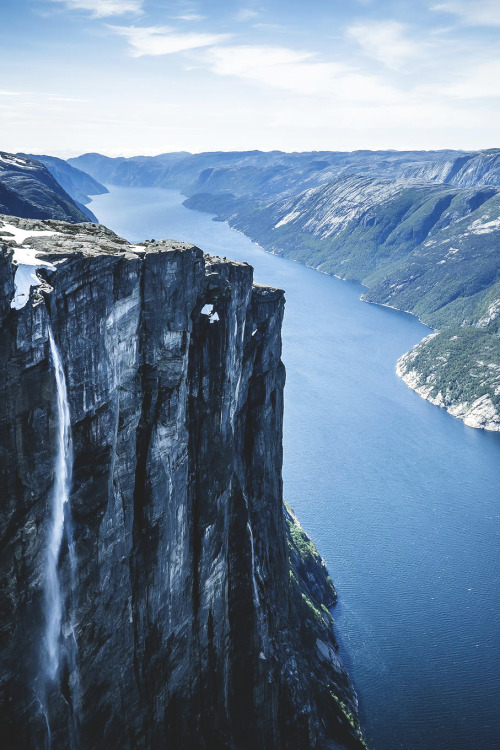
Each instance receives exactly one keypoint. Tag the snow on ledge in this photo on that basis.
(20, 235)
(25, 276)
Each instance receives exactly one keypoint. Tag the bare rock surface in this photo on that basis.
(193, 622)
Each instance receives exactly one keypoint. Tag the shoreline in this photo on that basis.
(478, 415)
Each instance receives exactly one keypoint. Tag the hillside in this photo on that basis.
(28, 190)
(420, 229)
(79, 185)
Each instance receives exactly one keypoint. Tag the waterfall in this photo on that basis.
(254, 581)
(60, 663)
(60, 497)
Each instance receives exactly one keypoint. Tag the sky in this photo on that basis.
(128, 77)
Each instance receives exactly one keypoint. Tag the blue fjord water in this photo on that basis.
(401, 498)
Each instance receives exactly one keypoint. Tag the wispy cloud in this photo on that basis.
(472, 12)
(246, 14)
(296, 72)
(189, 17)
(104, 8)
(163, 40)
(385, 41)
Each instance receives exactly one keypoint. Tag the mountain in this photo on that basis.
(29, 190)
(419, 229)
(154, 590)
(79, 185)
(426, 248)
(481, 168)
(250, 173)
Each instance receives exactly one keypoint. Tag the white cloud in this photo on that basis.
(104, 8)
(472, 12)
(190, 17)
(297, 72)
(163, 40)
(246, 14)
(385, 41)
(477, 83)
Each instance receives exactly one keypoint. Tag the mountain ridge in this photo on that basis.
(420, 231)
(28, 189)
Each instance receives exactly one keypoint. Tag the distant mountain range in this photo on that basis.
(420, 229)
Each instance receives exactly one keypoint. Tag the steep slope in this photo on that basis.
(477, 168)
(152, 594)
(79, 185)
(27, 189)
(429, 249)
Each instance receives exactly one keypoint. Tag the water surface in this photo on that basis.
(401, 498)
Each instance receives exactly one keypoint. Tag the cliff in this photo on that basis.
(28, 189)
(464, 170)
(419, 229)
(149, 597)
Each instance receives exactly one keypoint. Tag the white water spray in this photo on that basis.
(254, 580)
(60, 497)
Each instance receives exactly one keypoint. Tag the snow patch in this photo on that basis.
(20, 235)
(25, 276)
(16, 161)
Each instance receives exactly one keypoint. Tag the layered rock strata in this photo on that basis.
(191, 628)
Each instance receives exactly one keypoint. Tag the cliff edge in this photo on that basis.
(152, 592)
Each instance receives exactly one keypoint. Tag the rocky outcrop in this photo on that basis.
(464, 170)
(467, 385)
(182, 624)
(28, 189)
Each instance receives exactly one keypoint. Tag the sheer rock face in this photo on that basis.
(181, 600)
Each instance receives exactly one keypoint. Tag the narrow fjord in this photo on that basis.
(400, 497)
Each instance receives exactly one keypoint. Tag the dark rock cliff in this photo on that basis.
(28, 189)
(186, 618)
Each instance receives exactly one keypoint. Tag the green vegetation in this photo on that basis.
(311, 594)
(302, 542)
(429, 249)
(313, 589)
(460, 364)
